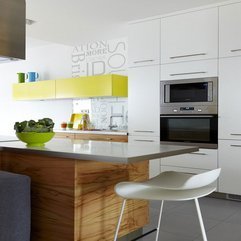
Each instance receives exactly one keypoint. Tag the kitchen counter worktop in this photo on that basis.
(100, 150)
(99, 132)
(8, 138)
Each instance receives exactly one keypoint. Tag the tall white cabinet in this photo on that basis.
(143, 85)
(230, 31)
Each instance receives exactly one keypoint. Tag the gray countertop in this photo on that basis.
(99, 132)
(100, 150)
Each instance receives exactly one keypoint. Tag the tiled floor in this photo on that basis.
(222, 220)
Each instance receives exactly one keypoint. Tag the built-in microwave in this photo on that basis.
(189, 96)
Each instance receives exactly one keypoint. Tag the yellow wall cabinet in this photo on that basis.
(38, 90)
(92, 86)
(80, 87)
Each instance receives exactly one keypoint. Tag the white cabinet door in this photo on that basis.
(189, 36)
(154, 164)
(229, 30)
(230, 162)
(144, 43)
(189, 70)
(144, 101)
(205, 159)
(230, 98)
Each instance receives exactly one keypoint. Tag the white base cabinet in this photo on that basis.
(154, 165)
(230, 162)
(202, 160)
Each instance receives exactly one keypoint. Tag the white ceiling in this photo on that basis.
(74, 22)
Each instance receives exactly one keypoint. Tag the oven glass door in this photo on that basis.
(190, 129)
(189, 92)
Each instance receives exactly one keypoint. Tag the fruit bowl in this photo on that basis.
(35, 138)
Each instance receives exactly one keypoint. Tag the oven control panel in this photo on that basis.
(189, 110)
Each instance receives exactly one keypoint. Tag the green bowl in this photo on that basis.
(35, 138)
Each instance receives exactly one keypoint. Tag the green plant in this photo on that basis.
(41, 126)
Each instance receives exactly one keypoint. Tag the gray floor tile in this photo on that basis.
(211, 208)
(223, 232)
(164, 236)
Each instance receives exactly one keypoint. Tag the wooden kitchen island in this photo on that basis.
(72, 183)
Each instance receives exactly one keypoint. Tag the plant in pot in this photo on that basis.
(35, 133)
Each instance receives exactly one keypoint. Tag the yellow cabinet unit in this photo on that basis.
(34, 90)
(81, 87)
(92, 86)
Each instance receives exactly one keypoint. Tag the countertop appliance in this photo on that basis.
(189, 112)
(12, 30)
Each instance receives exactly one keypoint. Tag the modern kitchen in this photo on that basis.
(119, 119)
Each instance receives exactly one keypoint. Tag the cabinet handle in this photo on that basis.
(145, 140)
(235, 134)
(235, 145)
(235, 50)
(144, 131)
(198, 153)
(189, 73)
(186, 56)
(143, 61)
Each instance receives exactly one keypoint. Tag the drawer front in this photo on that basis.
(189, 70)
(64, 135)
(203, 159)
(99, 137)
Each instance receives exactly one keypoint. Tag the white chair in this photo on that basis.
(169, 186)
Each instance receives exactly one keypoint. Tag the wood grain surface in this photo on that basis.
(74, 200)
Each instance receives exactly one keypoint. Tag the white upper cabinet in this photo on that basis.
(189, 70)
(144, 101)
(229, 98)
(144, 43)
(189, 36)
(230, 30)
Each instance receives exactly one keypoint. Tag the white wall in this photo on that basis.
(51, 62)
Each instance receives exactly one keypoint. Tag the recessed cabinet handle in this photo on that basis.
(235, 145)
(187, 55)
(198, 153)
(235, 50)
(235, 134)
(145, 140)
(143, 61)
(189, 73)
(144, 131)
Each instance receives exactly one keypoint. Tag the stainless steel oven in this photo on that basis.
(189, 96)
(189, 112)
(201, 130)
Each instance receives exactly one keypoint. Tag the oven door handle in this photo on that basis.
(186, 116)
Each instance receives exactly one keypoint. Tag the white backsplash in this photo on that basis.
(101, 109)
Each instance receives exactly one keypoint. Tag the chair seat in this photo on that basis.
(133, 190)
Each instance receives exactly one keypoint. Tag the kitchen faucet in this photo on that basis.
(111, 120)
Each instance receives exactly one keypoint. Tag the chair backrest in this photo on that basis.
(203, 179)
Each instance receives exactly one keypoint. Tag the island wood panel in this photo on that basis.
(74, 200)
(96, 200)
(52, 193)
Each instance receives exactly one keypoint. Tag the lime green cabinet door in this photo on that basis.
(92, 86)
(34, 90)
